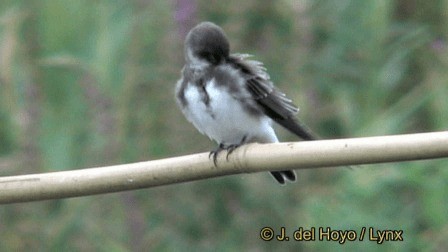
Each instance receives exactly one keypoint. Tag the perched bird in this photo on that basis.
(230, 98)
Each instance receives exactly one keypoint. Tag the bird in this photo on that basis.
(230, 97)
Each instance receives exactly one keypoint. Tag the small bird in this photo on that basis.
(230, 98)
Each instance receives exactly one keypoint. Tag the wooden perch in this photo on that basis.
(246, 159)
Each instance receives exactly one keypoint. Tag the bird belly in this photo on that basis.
(222, 118)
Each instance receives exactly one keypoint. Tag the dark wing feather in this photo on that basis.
(280, 109)
(274, 103)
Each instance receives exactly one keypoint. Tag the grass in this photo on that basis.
(87, 83)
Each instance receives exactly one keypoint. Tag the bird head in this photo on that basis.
(206, 44)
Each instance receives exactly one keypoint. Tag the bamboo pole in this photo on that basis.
(245, 159)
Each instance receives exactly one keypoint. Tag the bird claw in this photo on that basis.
(215, 153)
(229, 150)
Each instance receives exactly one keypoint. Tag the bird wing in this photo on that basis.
(274, 103)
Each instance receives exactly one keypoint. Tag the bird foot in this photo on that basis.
(215, 153)
(229, 149)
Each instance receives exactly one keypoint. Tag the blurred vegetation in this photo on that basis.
(91, 83)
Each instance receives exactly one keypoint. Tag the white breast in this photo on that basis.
(224, 119)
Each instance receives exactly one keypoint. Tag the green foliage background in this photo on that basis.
(90, 83)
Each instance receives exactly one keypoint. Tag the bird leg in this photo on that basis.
(215, 152)
(232, 147)
(229, 150)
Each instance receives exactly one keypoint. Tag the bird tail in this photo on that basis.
(282, 176)
(302, 131)
(298, 128)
